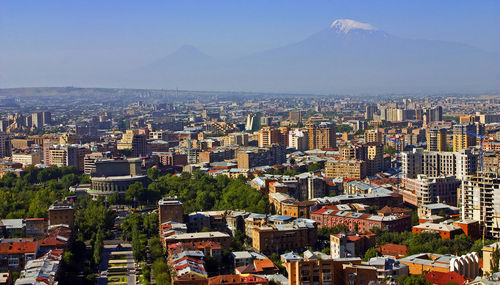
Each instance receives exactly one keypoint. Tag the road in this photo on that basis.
(125, 249)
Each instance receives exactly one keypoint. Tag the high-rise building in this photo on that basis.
(435, 164)
(253, 122)
(374, 136)
(269, 136)
(135, 142)
(299, 139)
(67, 155)
(37, 120)
(5, 145)
(251, 158)
(435, 114)
(369, 111)
(345, 168)
(436, 139)
(313, 269)
(47, 118)
(430, 190)
(295, 116)
(462, 137)
(322, 136)
(170, 210)
(374, 158)
(480, 201)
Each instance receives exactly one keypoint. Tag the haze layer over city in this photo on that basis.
(249, 142)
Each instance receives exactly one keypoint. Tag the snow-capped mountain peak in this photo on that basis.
(346, 25)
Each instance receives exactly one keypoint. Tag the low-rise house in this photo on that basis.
(14, 255)
(237, 279)
(394, 250)
(350, 244)
(466, 265)
(360, 222)
(44, 270)
(388, 267)
(299, 234)
(221, 238)
(442, 278)
(258, 266)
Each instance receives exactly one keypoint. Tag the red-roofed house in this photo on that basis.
(395, 250)
(189, 279)
(235, 279)
(443, 278)
(14, 255)
(259, 266)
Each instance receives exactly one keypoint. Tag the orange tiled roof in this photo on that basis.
(18, 247)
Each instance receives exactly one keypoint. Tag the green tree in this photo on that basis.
(389, 150)
(135, 192)
(495, 260)
(154, 173)
(371, 252)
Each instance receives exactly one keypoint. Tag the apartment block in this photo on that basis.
(322, 136)
(430, 190)
(350, 244)
(315, 268)
(436, 139)
(345, 168)
(254, 157)
(480, 201)
(360, 222)
(299, 234)
(462, 137)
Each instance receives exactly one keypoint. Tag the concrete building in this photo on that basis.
(322, 136)
(430, 190)
(466, 265)
(5, 145)
(67, 155)
(295, 117)
(299, 234)
(436, 139)
(488, 255)
(434, 164)
(222, 238)
(345, 168)
(360, 222)
(26, 159)
(317, 268)
(374, 136)
(135, 142)
(299, 139)
(480, 201)
(462, 138)
(170, 210)
(254, 157)
(388, 267)
(350, 244)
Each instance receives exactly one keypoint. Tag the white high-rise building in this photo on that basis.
(434, 164)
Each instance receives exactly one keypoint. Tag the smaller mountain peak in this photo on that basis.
(346, 25)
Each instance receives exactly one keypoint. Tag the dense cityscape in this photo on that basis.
(136, 186)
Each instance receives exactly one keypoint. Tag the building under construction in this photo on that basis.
(480, 201)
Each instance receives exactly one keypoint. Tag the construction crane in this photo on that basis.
(398, 145)
(481, 137)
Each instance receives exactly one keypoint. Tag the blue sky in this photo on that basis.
(34, 33)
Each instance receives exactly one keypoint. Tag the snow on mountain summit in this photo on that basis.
(346, 25)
